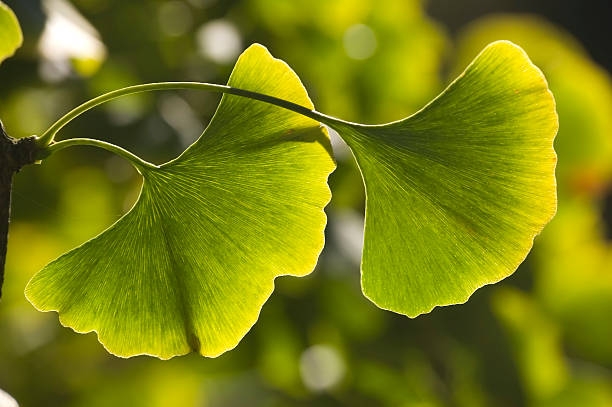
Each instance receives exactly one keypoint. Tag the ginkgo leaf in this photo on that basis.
(10, 32)
(189, 267)
(457, 192)
(584, 141)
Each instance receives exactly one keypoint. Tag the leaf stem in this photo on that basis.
(140, 164)
(47, 137)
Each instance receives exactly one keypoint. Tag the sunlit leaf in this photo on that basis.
(191, 264)
(573, 251)
(584, 144)
(10, 32)
(457, 192)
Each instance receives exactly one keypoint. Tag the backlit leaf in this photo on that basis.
(10, 32)
(457, 192)
(190, 266)
(585, 105)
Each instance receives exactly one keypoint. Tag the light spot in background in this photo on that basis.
(6, 400)
(52, 71)
(321, 368)
(33, 109)
(68, 43)
(125, 111)
(175, 18)
(360, 42)
(341, 149)
(29, 331)
(180, 116)
(220, 41)
(348, 234)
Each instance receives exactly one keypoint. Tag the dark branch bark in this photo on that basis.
(14, 154)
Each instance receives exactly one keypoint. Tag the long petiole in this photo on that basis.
(140, 164)
(47, 137)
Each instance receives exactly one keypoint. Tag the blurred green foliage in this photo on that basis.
(539, 338)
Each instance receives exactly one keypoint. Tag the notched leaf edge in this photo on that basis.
(537, 72)
(194, 341)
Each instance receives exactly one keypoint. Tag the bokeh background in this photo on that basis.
(542, 337)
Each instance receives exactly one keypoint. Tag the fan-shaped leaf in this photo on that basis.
(457, 192)
(190, 266)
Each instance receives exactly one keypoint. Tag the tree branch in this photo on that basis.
(14, 154)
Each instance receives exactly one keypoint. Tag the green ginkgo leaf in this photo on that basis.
(189, 267)
(10, 32)
(457, 192)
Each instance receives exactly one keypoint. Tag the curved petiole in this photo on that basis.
(47, 137)
(138, 162)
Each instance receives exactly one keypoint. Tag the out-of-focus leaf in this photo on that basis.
(457, 192)
(573, 278)
(548, 379)
(413, 385)
(191, 264)
(10, 32)
(279, 350)
(536, 343)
